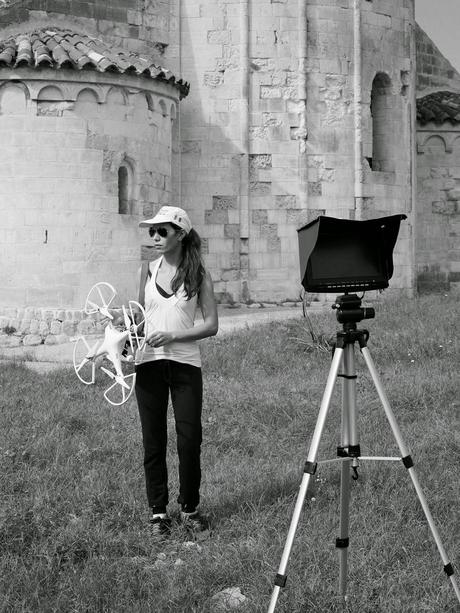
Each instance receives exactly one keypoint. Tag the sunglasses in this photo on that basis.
(163, 232)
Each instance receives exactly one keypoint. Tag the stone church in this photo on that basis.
(254, 115)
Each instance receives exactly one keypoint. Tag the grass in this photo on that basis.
(73, 534)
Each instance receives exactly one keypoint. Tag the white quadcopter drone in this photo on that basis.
(118, 347)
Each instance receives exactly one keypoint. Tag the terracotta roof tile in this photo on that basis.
(439, 107)
(62, 48)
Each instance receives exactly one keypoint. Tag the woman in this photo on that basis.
(171, 288)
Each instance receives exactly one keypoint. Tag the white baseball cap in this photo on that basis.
(169, 214)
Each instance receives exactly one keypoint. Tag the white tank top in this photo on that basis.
(169, 314)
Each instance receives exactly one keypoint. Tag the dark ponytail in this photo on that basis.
(190, 271)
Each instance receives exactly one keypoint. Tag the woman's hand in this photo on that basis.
(158, 338)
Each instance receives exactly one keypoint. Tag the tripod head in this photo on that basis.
(349, 309)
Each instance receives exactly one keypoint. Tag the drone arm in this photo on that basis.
(116, 316)
(128, 324)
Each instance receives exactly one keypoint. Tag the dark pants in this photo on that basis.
(154, 381)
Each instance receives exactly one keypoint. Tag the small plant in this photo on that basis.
(313, 340)
(10, 330)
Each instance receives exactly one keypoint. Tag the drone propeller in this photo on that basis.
(138, 325)
(99, 298)
(120, 379)
(101, 309)
(83, 362)
(115, 400)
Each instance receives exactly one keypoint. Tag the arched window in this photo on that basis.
(383, 128)
(163, 108)
(126, 188)
(123, 191)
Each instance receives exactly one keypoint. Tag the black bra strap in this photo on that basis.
(162, 291)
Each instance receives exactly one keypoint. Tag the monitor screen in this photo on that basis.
(337, 260)
(346, 255)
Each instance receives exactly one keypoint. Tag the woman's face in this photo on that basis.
(166, 238)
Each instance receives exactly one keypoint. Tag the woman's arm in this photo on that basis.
(209, 326)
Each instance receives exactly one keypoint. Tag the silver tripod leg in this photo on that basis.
(407, 460)
(348, 447)
(309, 470)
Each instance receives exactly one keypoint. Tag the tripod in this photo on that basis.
(349, 312)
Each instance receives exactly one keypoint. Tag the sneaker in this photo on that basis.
(160, 526)
(194, 522)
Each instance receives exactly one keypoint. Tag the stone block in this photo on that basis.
(223, 203)
(213, 79)
(314, 188)
(452, 194)
(10, 341)
(86, 326)
(68, 327)
(31, 313)
(216, 216)
(258, 133)
(47, 315)
(218, 37)
(30, 340)
(223, 246)
(231, 230)
(34, 326)
(260, 216)
(134, 17)
(24, 326)
(260, 188)
(260, 161)
(56, 326)
(443, 207)
(269, 230)
(274, 244)
(191, 146)
(51, 339)
(43, 328)
(270, 92)
(288, 201)
(296, 217)
(230, 275)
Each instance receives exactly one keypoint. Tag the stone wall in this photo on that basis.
(438, 208)
(239, 156)
(35, 326)
(64, 138)
(267, 130)
(434, 71)
(437, 255)
(264, 141)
